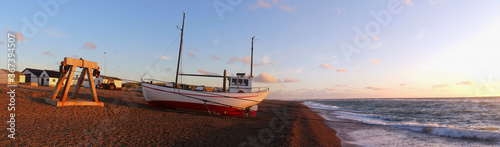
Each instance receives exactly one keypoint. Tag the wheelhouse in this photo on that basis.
(240, 83)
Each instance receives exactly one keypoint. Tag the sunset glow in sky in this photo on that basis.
(303, 49)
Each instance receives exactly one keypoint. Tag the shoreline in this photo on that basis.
(127, 119)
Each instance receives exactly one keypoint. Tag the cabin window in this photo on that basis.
(233, 82)
(243, 82)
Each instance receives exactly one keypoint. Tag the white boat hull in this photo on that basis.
(216, 102)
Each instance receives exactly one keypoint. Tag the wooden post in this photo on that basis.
(80, 82)
(59, 84)
(68, 84)
(224, 81)
(92, 84)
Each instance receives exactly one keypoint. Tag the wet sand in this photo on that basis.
(127, 120)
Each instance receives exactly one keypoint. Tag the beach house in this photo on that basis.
(50, 78)
(32, 76)
(4, 73)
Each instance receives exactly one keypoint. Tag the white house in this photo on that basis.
(50, 78)
(33, 76)
(4, 73)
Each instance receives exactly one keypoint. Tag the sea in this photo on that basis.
(412, 122)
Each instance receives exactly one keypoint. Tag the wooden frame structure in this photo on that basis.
(68, 67)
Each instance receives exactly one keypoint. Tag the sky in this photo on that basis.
(302, 49)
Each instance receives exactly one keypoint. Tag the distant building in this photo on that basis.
(32, 75)
(50, 78)
(4, 73)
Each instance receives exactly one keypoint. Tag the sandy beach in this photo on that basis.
(127, 120)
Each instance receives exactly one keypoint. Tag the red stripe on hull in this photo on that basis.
(221, 110)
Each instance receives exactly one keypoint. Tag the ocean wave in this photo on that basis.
(319, 106)
(473, 133)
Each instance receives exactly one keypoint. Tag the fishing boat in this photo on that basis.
(239, 98)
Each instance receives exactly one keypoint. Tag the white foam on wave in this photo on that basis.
(320, 106)
(431, 128)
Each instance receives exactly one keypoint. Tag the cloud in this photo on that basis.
(265, 61)
(376, 38)
(19, 36)
(375, 44)
(342, 70)
(1, 42)
(89, 45)
(330, 89)
(464, 83)
(215, 57)
(346, 85)
(261, 4)
(206, 72)
(189, 54)
(435, 2)
(440, 86)
(216, 41)
(375, 61)
(232, 60)
(326, 66)
(48, 53)
(286, 8)
(7, 30)
(166, 58)
(408, 2)
(266, 78)
(75, 56)
(267, 4)
(189, 48)
(289, 71)
(375, 88)
(168, 69)
(53, 33)
(287, 80)
(245, 60)
(339, 10)
(403, 84)
(360, 71)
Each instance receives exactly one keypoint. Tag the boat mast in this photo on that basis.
(251, 61)
(180, 49)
